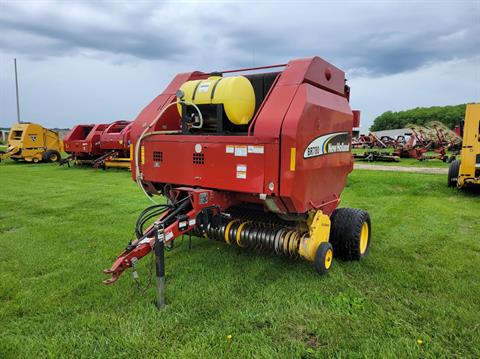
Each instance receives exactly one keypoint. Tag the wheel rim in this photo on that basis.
(364, 238)
(328, 259)
(53, 157)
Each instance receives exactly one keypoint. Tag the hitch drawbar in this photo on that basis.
(173, 221)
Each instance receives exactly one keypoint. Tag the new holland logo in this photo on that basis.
(331, 143)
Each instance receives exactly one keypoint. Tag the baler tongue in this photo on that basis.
(111, 280)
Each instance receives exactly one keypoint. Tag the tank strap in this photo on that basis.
(214, 87)
(195, 90)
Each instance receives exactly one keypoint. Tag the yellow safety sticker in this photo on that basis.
(293, 159)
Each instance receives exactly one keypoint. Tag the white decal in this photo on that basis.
(331, 143)
(204, 86)
(255, 149)
(229, 149)
(241, 168)
(241, 151)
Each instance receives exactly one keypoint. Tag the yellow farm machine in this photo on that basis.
(32, 142)
(465, 172)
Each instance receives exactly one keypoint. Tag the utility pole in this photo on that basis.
(16, 88)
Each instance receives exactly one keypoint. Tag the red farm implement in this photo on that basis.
(257, 161)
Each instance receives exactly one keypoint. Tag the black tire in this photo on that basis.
(323, 258)
(453, 171)
(348, 226)
(52, 156)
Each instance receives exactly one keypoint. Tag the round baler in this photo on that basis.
(100, 145)
(258, 161)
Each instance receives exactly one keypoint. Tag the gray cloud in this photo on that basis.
(362, 38)
(98, 61)
(50, 33)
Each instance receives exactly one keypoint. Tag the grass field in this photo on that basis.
(416, 295)
(408, 162)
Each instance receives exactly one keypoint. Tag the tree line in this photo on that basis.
(448, 115)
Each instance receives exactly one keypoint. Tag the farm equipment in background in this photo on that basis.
(434, 136)
(115, 141)
(32, 142)
(258, 161)
(368, 141)
(466, 171)
(101, 145)
(376, 156)
(82, 143)
(416, 143)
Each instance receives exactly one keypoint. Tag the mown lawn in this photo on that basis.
(407, 162)
(416, 295)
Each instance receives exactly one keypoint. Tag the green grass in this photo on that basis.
(59, 227)
(407, 162)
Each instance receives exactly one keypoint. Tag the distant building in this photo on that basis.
(4, 134)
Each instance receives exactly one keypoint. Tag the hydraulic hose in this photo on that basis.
(145, 134)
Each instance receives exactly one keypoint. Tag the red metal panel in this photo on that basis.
(316, 71)
(74, 142)
(317, 180)
(269, 122)
(115, 136)
(231, 163)
(356, 118)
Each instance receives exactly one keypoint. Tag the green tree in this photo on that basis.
(449, 115)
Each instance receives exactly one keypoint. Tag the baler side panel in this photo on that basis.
(304, 184)
(175, 160)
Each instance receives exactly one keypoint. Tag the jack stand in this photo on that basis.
(160, 268)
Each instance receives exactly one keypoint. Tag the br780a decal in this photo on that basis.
(331, 143)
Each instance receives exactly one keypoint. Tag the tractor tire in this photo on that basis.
(323, 258)
(453, 171)
(350, 233)
(52, 156)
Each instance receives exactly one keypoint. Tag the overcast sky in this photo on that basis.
(99, 61)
